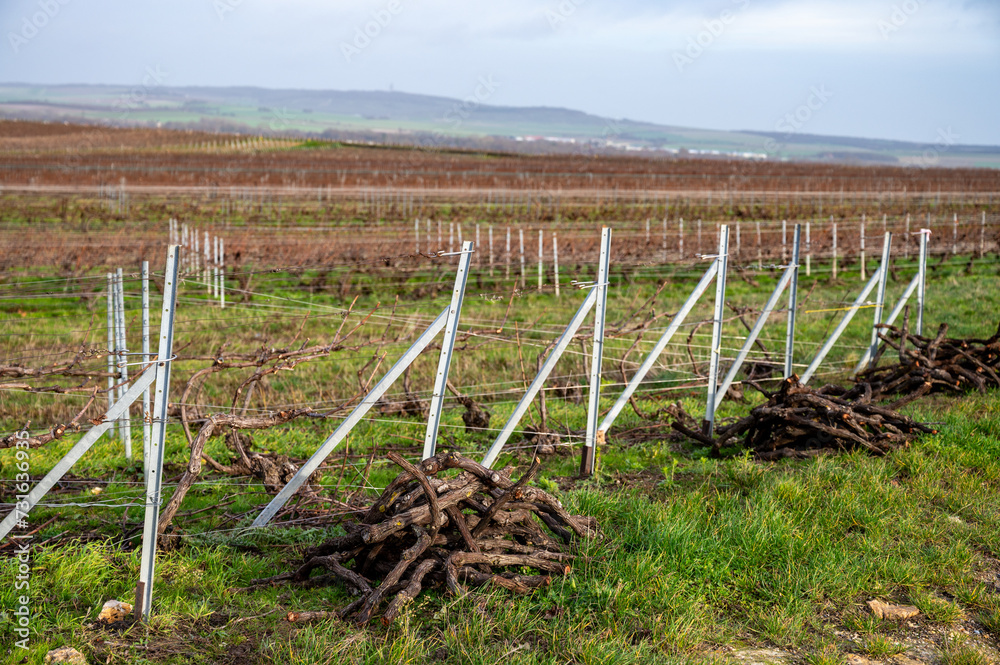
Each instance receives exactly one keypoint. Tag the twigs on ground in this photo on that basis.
(476, 528)
(798, 421)
(934, 364)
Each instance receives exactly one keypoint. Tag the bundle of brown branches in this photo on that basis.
(475, 528)
(934, 364)
(798, 421)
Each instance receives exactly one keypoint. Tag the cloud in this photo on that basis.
(612, 57)
(926, 27)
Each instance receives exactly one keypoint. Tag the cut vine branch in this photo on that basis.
(476, 528)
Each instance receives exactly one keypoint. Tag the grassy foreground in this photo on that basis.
(701, 560)
(699, 557)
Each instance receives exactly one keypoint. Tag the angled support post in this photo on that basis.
(107, 423)
(447, 348)
(893, 315)
(22, 508)
(793, 301)
(741, 357)
(543, 374)
(154, 468)
(588, 457)
(880, 295)
(716, 350)
(661, 344)
(359, 412)
(844, 322)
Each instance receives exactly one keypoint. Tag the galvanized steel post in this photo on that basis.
(588, 458)
(111, 342)
(327, 447)
(751, 338)
(793, 301)
(661, 344)
(146, 415)
(851, 311)
(925, 235)
(550, 362)
(716, 349)
(555, 261)
(125, 423)
(880, 296)
(447, 348)
(154, 470)
(222, 273)
(541, 267)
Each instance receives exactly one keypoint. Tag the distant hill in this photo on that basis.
(400, 117)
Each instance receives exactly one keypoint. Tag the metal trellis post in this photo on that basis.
(925, 235)
(588, 458)
(541, 267)
(207, 268)
(125, 424)
(716, 350)
(751, 338)
(848, 316)
(22, 508)
(793, 301)
(328, 446)
(222, 273)
(524, 276)
(863, 262)
(146, 415)
(555, 261)
(880, 295)
(550, 362)
(661, 344)
(154, 470)
(447, 348)
(111, 341)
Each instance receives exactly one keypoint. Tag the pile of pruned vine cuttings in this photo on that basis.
(934, 364)
(798, 421)
(475, 528)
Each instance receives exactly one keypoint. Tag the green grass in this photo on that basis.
(699, 555)
(722, 556)
(881, 646)
(959, 652)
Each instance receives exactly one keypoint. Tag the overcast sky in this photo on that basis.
(900, 69)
